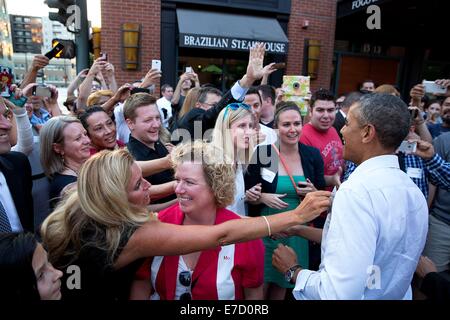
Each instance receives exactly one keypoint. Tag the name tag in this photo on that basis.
(414, 173)
(267, 175)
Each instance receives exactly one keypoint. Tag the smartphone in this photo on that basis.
(302, 184)
(57, 49)
(41, 91)
(279, 65)
(139, 90)
(104, 56)
(156, 64)
(188, 69)
(433, 87)
(414, 113)
(407, 147)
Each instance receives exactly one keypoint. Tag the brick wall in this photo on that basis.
(321, 15)
(322, 22)
(117, 12)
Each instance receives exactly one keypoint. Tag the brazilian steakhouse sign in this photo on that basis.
(223, 43)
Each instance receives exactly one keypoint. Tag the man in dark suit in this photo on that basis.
(16, 202)
(341, 115)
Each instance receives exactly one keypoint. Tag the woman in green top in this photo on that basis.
(286, 172)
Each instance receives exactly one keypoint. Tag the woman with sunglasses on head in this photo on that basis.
(234, 133)
(287, 171)
(233, 272)
(104, 227)
(25, 273)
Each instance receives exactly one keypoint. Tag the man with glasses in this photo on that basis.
(16, 203)
(203, 117)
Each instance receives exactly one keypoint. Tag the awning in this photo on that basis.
(224, 31)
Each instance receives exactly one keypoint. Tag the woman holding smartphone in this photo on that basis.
(286, 171)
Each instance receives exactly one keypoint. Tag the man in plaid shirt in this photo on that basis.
(421, 166)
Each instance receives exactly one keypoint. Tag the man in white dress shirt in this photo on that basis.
(375, 233)
(164, 104)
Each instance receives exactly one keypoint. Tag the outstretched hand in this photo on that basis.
(255, 70)
(313, 205)
(152, 77)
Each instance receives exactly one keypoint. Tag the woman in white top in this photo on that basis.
(234, 133)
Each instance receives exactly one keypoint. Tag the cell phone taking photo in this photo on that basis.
(433, 87)
(156, 64)
(279, 65)
(139, 90)
(41, 91)
(57, 49)
(407, 147)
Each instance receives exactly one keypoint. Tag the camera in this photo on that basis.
(407, 147)
(56, 51)
(156, 64)
(42, 91)
(433, 87)
(104, 56)
(414, 113)
(139, 90)
(296, 89)
(296, 85)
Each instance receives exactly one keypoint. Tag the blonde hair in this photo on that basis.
(99, 205)
(388, 89)
(190, 101)
(218, 172)
(53, 132)
(221, 135)
(95, 97)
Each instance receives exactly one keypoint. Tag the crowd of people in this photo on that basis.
(198, 195)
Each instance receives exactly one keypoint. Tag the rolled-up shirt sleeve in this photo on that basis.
(238, 92)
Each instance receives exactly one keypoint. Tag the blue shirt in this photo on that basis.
(436, 129)
(45, 116)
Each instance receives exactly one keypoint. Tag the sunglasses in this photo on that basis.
(186, 280)
(235, 106)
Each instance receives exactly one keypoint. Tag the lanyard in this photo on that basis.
(286, 167)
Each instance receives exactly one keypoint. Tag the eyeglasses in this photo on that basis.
(7, 112)
(235, 106)
(185, 279)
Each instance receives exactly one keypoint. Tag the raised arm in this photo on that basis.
(76, 82)
(158, 191)
(177, 92)
(120, 96)
(86, 86)
(155, 166)
(39, 62)
(52, 102)
(110, 77)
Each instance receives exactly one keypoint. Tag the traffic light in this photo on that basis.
(62, 5)
(69, 51)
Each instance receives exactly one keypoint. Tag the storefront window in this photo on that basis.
(221, 73)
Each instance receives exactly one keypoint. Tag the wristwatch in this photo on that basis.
(289, 274)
